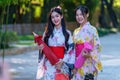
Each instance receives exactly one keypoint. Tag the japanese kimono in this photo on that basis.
(80, 36)
(58, 40)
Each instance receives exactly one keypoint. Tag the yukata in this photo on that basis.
(58, 39)
(86, 34)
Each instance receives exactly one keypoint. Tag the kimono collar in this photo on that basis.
(84, 26)
(87, 23)
(57, 30)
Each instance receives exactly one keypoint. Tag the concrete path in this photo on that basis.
(24, 66)
(110, 57)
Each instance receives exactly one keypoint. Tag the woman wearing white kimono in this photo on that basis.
(57, 36)
(86, 33)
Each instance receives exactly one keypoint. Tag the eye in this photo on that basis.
(80, 13)
(57, 15)
(76, 14)
(52, 17)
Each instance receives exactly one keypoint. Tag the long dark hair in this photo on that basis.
(50, 27)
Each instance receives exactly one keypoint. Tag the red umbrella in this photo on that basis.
(46, 50)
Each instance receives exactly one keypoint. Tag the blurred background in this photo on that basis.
(19, 18)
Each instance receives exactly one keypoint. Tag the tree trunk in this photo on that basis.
(111, 13)
(102, 19)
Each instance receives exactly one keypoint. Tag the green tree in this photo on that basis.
(102, 19)
(48, 4)
(68, 7)
(111, 12)
(4, 6)
(92, 5)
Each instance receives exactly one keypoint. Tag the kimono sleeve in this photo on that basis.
(69, 56)
(97, 44)
(96, 51)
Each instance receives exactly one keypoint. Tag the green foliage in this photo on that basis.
(4, 3)
(18, 11)
(104, 31)
(117, 11)
(48, 4)
(116, 3)
(6, 38)
(26, 37)
(69, 7)
(92, 5)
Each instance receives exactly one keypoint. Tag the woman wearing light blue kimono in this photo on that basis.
(56, 35)
(86, 33)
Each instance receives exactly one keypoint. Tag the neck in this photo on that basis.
(58, 27)
(82, 24)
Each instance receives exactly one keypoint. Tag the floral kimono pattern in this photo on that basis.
(69, 57)
(86, 34)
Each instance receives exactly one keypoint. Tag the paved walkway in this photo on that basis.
(110, 57)
(24, 66)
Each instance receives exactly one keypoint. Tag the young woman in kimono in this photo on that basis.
(86, 33)
(56, 35)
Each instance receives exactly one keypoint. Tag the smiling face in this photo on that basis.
(56, 18)
(81, 18)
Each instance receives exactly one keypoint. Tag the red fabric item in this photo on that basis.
(61, 76)
(46, 50)
(58, 51)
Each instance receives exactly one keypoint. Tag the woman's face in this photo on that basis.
(56, 18)
(79, 17)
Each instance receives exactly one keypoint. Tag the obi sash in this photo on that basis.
(81, 59)
(86, 45)
(78, 48)
(58, 51)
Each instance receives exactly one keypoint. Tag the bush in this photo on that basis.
(103, 31)
(6, 38)
(26, 37)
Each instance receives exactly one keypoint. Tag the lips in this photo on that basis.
(56, 21)
(80, 20)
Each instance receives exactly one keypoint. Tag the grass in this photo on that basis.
(25, 43)
(25, 40)
(26, 37)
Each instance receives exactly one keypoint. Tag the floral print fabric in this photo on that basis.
(58, 39)
(83, 34)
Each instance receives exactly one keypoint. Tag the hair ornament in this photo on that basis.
(59, 7)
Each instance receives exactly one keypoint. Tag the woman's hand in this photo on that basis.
(41, 46)
(59, 64)
(74, 71)
(86, 54)
(36, 35)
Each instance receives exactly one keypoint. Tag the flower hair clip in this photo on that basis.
(59, 7)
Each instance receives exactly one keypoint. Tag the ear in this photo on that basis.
(87, 15)
(61, 16)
